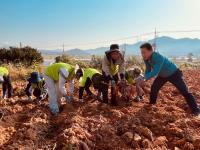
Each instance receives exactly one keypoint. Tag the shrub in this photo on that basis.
(26, 55)
(96, 62)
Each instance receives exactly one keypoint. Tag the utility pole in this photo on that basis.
(20, 45)
(125, 47)
(63, 48)
(155, 37)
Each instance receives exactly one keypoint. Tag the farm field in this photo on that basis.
(93, 125)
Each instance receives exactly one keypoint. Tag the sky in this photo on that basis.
(48, 24)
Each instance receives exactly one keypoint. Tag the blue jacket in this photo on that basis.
(159, 65)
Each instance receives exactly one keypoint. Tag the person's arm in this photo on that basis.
(148, 67)
(28, 89)
(159, 61)
(63, 74)
(105, 66)
(122, 70)
(71, 87)
(81, 90)
(82, 82)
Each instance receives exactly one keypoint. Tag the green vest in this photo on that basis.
(114, 69)
(88, 73)
(130, 79)
(3, 71)
(53, 71)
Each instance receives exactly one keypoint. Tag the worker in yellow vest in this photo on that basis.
(36, 86)
(56, 76)
(88, 77)
(113, 68)
(6, 82)
(132, 75)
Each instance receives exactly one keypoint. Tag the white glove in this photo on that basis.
(68, 99)
(30, 98)
(139, 79)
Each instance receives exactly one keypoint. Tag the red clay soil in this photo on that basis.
(96, 126)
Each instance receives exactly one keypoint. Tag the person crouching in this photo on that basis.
(36, 86)
(132, 75)
(56, 76)
(88, 77)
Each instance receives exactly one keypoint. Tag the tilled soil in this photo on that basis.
(96, 126)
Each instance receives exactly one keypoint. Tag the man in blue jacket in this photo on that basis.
(164, 70)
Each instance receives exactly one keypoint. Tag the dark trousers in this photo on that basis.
(7, 86)
(36, 92)
(96, 81)
(105, 86)
(177, 80)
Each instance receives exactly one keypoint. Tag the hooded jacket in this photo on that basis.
(110, 67)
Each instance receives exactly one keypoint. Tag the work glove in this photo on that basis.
(68, 99)
(30, 98)
(139, 79)
(54, 112)
(112, 82)
(138, 98)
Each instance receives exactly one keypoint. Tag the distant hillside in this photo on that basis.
(77, 52)
(165, 45)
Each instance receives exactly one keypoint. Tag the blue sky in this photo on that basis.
(50, 23)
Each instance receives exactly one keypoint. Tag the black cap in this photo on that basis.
(114, 47)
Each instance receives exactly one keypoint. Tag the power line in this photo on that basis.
(135, 36)
(155, 33)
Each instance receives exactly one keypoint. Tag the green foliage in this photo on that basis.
(190, 57)
(96, 62)
(27, 56)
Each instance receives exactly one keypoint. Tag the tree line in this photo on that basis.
(25, 55)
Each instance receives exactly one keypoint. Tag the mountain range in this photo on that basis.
(166, 45)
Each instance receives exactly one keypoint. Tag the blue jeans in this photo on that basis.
(177, 80)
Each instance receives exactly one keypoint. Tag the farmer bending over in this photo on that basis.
(88, 77)
(36, 86)
(164, 70)
(6, 83)
(56, 76)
